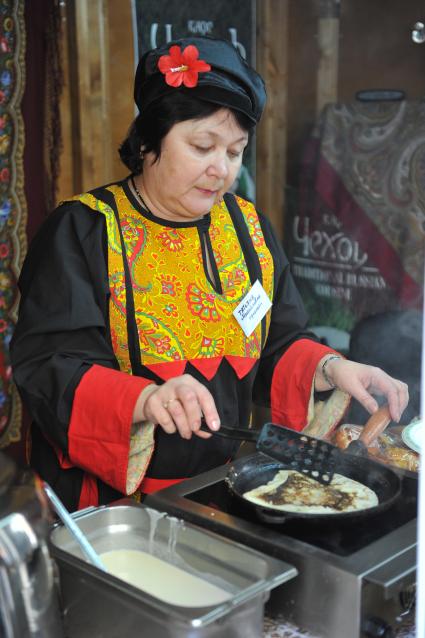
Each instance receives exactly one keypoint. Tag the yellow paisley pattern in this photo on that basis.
(179, 315)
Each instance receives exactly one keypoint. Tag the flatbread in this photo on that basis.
(292, 491)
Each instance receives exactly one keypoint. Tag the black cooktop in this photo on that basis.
(206, 500)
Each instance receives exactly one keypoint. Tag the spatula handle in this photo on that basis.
(73, 528)
(237, 434)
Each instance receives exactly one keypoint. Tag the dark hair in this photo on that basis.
(149, 129)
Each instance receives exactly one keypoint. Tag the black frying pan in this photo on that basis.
(247, 473)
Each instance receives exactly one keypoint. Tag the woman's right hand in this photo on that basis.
(178, 406)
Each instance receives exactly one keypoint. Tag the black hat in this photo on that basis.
(227, 79)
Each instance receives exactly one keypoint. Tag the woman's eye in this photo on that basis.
(202, 149)
(234, 154)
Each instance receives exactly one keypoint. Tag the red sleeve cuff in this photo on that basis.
(292, 383)
(99, 431)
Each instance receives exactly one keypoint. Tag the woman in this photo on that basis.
(118, 358)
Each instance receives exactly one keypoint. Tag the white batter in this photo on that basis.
(162, 580)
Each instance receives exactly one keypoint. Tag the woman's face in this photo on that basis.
(199, 161)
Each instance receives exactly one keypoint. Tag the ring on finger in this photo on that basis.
(167, 403)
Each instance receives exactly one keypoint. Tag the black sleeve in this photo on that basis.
(288, 319)
(62, 327)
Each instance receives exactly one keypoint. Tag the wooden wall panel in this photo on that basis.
(67, 183)
(97, 102)
(92, 23)
(272, 64)
(122, 69)
(328, 42)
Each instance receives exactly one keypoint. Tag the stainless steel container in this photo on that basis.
(354, 580)
(28, 595)
(99, 605)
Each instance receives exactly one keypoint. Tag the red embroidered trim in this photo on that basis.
(292, 382)
(101, 419)
(207, 367)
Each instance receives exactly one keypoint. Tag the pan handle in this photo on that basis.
(264, 516)
(375, 425)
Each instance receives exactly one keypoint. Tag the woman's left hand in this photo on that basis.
(361, 382)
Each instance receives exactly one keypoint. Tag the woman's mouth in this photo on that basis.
(207, 192)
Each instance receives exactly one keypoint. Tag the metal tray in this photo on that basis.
(99, 605)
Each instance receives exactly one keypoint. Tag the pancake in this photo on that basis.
(291, 491)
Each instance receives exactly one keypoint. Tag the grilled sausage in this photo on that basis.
(375, 425)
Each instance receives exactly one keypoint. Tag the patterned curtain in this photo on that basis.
(356, 237)
(30, 143)
(13, 211)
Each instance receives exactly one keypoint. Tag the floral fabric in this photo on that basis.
(13, 213)
(180, 316)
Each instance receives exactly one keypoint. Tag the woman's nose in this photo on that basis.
(219, 167)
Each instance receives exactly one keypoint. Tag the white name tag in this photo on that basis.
(252, 308)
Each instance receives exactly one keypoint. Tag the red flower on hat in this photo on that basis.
(182, 67)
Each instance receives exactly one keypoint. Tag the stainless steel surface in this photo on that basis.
(334, 596)
(336, 592)
(28, 595)
(93, 599)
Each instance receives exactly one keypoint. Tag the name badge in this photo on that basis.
(252, 308)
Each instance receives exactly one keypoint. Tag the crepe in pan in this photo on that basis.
(291, 491)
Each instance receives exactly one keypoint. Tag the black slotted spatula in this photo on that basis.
(295, 451)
